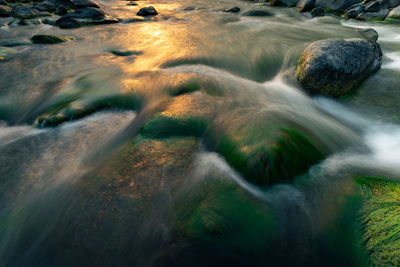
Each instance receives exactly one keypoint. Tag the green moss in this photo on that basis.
(219, 214)
(381, 220)
(161, 126)
(277, 160)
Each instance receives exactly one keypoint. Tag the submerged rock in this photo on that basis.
(147, 11)
(5, 11)
(335, 66)
(257, 13)
(233, 10)
(6, 53)
(369, 34)
(125, 53)
(49, 39)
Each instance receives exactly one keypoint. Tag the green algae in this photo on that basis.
(218, 214)
(161, 126)
(278, 159)
(380, 217)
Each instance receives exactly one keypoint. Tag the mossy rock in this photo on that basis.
(161, 126)
(49, 39)
(380, 216)
(225, 221)
(275, 159)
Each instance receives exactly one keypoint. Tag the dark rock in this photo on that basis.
(335, 66)
(61, 11)
(257, 13)
(374, 16)
(376, 6)
(125, 53)
(284, 3)
(394, 14)
(45, 6)
(86, 13)
(132, 4)
(305, 5)
(147, 11)
(317, 12)
(65, 3)
(233, 10)
(3, 2)
(353, 11)
(67, 23)
(49, 39)
(338, 5)
(29, 22)
(84, 3)
(369, 34)
(23, 12)
(5, 11)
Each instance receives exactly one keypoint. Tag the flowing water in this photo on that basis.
(97, 191)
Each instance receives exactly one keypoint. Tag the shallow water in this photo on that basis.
(98, 191)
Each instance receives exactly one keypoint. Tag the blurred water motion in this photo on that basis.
(184, 140)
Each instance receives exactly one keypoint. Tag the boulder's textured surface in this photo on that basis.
(335, 66)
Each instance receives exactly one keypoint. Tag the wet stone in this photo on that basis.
(45, 6)
(233, 10)
(257, 13)
(61, 11)
(147, 11)
(49, 39)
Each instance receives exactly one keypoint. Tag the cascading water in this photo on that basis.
(172, 155)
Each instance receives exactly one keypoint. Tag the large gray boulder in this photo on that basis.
(336, 66)
(336, 5)
(373, 16)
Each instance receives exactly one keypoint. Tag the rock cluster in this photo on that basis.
(375, 10)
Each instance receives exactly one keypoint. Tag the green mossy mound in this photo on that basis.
(161, 126)
(217, 215)
(380, 216)
(278, 157)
